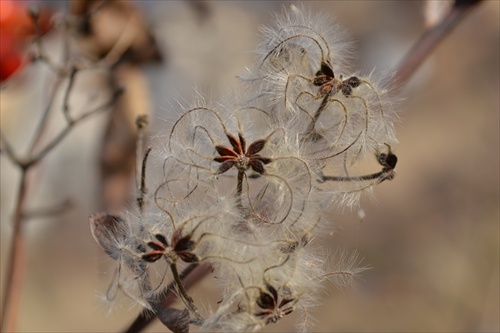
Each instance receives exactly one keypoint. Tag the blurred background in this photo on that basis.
(431, 237)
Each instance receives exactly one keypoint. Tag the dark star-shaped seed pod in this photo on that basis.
(241, 157)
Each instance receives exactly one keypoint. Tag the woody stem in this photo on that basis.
(239, 187)
(310, 135)
(188, 300)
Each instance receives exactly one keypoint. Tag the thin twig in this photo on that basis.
(69, 89)
(70, 126)
(141, 123)
(34, 12)
(142, 186)
(15, 264)
(42, 124)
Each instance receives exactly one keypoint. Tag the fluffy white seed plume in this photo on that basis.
(241, 183)
(339, 118)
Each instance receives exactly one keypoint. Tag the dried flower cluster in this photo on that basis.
(245, 184)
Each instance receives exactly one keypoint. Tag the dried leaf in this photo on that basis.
(107, 230)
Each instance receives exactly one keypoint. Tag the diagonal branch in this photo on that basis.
(431, 39)
(191, 275)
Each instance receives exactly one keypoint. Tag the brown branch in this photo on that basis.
(191, 275)
(188, 301)
(431, 39)
(15, 265)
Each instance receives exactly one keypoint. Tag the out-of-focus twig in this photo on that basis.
(15, 265)
(72, 123)
(430, 39)
(42, 124)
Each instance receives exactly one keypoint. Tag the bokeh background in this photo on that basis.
(431, 237)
